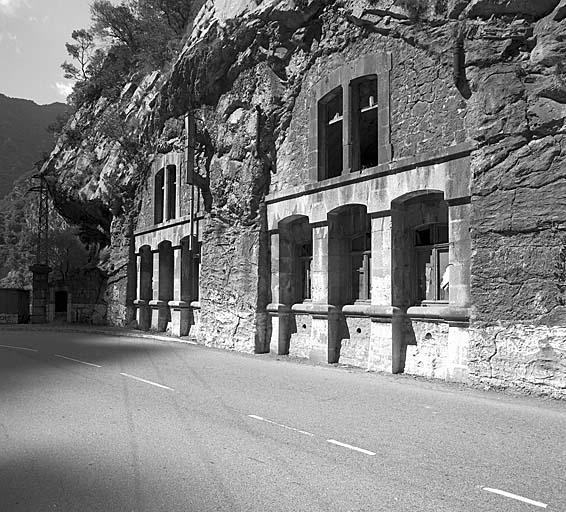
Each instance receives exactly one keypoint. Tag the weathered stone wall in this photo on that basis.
(516, 115)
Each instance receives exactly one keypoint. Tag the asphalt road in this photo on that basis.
(212, 430)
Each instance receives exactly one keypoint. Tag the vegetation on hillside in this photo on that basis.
(134, 36)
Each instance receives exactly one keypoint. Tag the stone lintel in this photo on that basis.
(178, 304)
(155, 304)
(316, 309)
(276, 308)
(441, 312)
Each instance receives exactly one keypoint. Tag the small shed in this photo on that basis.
(14, 306)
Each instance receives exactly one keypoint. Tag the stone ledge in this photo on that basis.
(158, 303)
(178, 304)
(445, 313)
(315, 309)
(141, 302)
(385, 169)
(276, 307)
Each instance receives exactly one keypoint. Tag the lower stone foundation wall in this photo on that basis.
(94, 314)
(440, 352)
(301, 341)
(355, 349)
(528, 358)
(8, 318)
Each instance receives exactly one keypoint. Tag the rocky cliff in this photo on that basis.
(247, 80)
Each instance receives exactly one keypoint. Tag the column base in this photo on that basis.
(181, 317)
(280, 315)
(143, 314)
(159, 315)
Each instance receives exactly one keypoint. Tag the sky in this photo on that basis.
(33, 34)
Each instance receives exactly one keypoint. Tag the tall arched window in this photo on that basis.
(364, 122)
(331, 125)
(171, 192)
(158, 196)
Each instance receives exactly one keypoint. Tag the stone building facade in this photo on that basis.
(378, 183)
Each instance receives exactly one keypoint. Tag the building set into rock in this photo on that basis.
(378, 184)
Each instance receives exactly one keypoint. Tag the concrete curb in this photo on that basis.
(88, 329)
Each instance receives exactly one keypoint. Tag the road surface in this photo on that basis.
(92, 422)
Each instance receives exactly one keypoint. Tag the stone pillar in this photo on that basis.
(40, 293)
(460, 254)
(279, 311)
(180, 310)
(154, 303)
(386, 352)
(325, 320)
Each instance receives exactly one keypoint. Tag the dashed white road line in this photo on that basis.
(77, 361)
(20, 348)
(147, 381)
(350, 447)
(516, 497)
(280, 425)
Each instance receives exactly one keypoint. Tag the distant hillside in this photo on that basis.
(24, 136)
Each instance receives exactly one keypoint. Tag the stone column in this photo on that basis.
(460, 254)
(281, 289)
(40, 293)
(386, 345)
(180, 310)
(325, 321)
(155, 304)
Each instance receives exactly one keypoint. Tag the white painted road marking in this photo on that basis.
(77, 361)
(516, 497)
(20, 348)
(147, 381)
(350, 447)
(280, 425)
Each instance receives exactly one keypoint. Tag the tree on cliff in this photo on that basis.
(140, 34)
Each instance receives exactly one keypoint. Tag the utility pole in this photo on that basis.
(41, 269)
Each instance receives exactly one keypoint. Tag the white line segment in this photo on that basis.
(516, 497)
(20, 348)
(77, 361)
(280, 425)
(350, 447)
(147, 381)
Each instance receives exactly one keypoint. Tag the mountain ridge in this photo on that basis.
(24, 137)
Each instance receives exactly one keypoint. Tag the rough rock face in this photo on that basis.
(247, 81)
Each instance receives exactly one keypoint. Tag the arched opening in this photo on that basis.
(349, 258)
(420, 251)
(330, 130)
(295, 260)
(171, 192)
(364, 122)
(190, 270)
(158, 196)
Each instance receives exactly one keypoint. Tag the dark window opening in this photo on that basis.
(172, 192)
(304, 274)
(195, 272)
(331, 123)
(158, 197)
(364, 123)
(433, 268)
(61, 298)
(361, 266)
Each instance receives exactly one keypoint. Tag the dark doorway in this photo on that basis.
(61, 298)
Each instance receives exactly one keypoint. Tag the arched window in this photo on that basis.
(331, 125)
(171, 192)
(433, 279)
(364, 122)
(158, 196)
